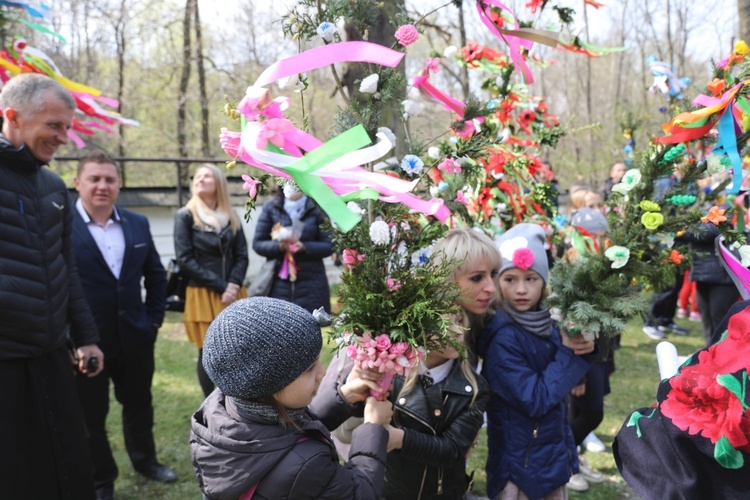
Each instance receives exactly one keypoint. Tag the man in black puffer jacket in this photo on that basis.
(43, 453)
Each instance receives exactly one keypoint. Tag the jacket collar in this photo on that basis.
(17, 158)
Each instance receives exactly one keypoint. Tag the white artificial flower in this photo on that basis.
(745, 255)
(434, 153)
(501, 208)
(412, 164)
(631, 179)
(450, 51)
(389, 134)
(327, 31)
(355, 208)
(369, 85)
(421, 256)
(380, 234)
(411, 108)
(288, 81)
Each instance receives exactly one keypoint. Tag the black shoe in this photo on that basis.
(105, 493)
(158, 472)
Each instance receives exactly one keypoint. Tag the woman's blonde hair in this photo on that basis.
(222, 198)
(465, 247)
(577, 199)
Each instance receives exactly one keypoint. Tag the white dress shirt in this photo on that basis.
(108, 237)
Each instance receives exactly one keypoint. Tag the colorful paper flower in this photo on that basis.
(380, 234)
(466, 129)
(649, 206)
(523, 258)
(618, 255)
(421, 256)
(388, 133)
(461, 198)
(412, 164)
(327, 31)
(351, 257)
(393, 285)
(434, 153)
(250, 185)
(273, 131)
(369, 85)
(407, 34)
(744, 251)
(717, 86)
(450, 51)
(449, 166)
(741, 48)
(355, 208)
(411, 108)
(432, 64)
(630, 180)
(715, 216)
(652, 220)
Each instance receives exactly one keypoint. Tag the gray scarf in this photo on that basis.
(537, 322)
(266, 412)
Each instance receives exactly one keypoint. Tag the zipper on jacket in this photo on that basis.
(23, 218)
(533, 438)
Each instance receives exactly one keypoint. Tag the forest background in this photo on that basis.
(172, 64)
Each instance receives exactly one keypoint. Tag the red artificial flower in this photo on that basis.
(534, 5)
(676, 257)
(496, 18)
(471, 53)
(523, 258)
(525, 119)
(717, 86)
(593, 3)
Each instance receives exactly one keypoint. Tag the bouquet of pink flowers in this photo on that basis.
(384, 356)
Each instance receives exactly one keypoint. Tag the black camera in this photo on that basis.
(92, 364)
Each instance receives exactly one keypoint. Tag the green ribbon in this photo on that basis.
(313, 186)
(40, 28)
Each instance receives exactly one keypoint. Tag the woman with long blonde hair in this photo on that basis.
(211, 249)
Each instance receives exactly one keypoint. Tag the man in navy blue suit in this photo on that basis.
(114, 250)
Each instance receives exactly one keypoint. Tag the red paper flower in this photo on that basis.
(523, 258)
(676, 257)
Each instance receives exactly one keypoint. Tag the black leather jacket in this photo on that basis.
(440, 426)
(210, 260)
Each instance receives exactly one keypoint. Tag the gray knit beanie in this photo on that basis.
(591, 220)
(257, 346)
(522, 247)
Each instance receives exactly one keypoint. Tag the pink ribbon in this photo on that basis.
(514, 43)
(422, 82)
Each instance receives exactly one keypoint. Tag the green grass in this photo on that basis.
(177, 395)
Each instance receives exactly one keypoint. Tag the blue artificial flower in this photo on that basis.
(412, 164)
(327, 30)
(493, 104)
(561, 220)
(442, 186)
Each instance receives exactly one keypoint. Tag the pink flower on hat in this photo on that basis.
(523, 258)
(407, 34)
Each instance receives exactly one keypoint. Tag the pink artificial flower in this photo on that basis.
(231, 142)
(250, 185)
(407, 34)
(393, 285)
(523, 258)
(461, 198)
(255, 101)
(432, 64)
(466, 131)
(449, 166)
(399, 348)
(273, 131)
(352, 351)
(383, 342)
(351, 256)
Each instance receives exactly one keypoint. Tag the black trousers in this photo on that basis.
(41, 456)
(131, 374)
(714, 302)
(664, 305)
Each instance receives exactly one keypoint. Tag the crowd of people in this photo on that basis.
(71, 301)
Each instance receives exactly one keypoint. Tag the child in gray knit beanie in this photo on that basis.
(256, 433)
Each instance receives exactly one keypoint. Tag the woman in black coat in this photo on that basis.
(289, 232)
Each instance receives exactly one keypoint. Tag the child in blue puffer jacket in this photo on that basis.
(531, 369)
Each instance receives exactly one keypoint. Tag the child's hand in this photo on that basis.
(578, 344)
(578, 390)
(378, 412)
(357, 389)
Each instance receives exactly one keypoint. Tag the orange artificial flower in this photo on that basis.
(676, 257)
(717, 86)
(594, 4)
(715, 216)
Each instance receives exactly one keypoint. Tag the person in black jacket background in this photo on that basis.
(211, 248)
(289, 231)
(40, 294)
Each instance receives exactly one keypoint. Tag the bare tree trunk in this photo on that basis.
(121, 47)
(182, 100)
(205, 140)
(743, 13)
(669, 34)
(589, 113)
(462, 41)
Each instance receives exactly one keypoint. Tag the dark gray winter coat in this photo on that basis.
(232, 452)
(310, 291)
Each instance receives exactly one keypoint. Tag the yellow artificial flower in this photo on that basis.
(649, 206)
(652, 220)
(741, 48)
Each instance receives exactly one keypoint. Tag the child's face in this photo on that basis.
(521, 289)
(477, 283)
(300, 393)
(594, 200)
